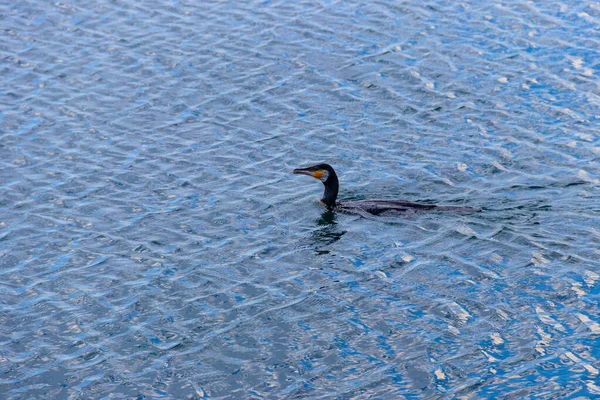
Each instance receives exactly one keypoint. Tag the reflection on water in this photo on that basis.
(153, 242)
(327, 219)
(328, 232)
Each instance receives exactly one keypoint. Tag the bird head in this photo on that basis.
(321, 172)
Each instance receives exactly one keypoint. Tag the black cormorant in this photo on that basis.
(326, 174)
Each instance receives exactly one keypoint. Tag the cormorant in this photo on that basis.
(326, 174)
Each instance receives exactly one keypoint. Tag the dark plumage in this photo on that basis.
(326, 174)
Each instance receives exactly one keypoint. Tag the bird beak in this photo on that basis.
(301, 171)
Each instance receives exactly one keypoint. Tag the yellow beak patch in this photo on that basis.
(318, 174)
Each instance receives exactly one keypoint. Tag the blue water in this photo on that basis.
(154, 243)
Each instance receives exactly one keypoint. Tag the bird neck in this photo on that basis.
(331, 191)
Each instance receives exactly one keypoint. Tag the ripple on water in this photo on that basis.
(153, 241)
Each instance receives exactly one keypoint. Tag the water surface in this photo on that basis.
(154, 244)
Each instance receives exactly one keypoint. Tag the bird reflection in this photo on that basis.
(326, 218)
(327, 234)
